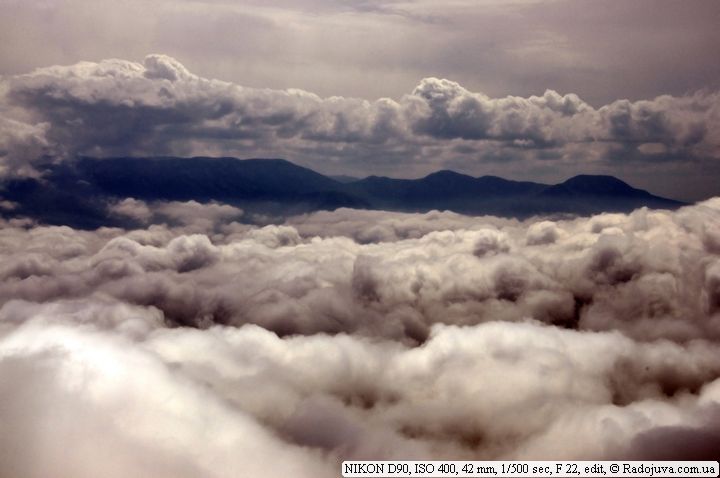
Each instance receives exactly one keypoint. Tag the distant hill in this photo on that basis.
(344, 178)
(77, 193)
(446, 190)
(202, 178)
(586, 194)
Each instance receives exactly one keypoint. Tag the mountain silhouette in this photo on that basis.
(587, 194)
(442, 190)
(78, 193)
(203, 178)
(597, 185)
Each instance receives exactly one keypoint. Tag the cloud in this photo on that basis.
(448, 110)
(213, 348)
(188, 217)
(21, 145)
(343, 47)
(223, 401)
(124, 411)
(637, 273)
(116, 104)
(117, 107)
(132, 208)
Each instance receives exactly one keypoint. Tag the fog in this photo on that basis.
(201, 345)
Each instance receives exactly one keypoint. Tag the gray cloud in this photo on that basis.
(353, 335)
(21, 144)
(370, 48)
(185, 217)
(319, 272)
(196, 344)
(117, 107)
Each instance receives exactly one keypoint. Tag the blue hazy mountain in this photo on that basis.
(446, 190)
(202, 179)
(344, 178)
(77, 193)
(587, 194)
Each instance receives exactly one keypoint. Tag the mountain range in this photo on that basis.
(78, 193)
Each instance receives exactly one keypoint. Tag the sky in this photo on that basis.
(525, 90)
(196, 340)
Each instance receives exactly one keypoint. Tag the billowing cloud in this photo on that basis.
(120, 106)
(319, 272)
(186, 217)
(21, 145)
(215, 348)
(157, 107)
(448, 110)
(198, 339)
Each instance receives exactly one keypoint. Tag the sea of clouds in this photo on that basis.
(202, 346)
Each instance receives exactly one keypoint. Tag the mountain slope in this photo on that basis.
(78, 193)
(596, 185)
(202, 178)
(585, 194)
(442, 190)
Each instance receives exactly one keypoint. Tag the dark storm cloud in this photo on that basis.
(117, 107)
(419, 336)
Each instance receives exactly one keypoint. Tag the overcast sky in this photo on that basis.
(495, 55)
(198, 345)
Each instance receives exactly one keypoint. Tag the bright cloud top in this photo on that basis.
(214, 348)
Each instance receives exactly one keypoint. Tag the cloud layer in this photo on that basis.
(117, 107)
(198, 346)
(376, 48)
